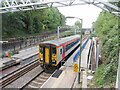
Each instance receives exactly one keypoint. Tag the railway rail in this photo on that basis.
(18, 66)
(38, 81)
(18, 73)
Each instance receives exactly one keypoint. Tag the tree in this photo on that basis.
(31, 22)
(78, 24)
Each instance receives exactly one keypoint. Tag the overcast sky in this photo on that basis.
(88, 13)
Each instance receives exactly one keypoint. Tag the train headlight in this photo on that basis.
(41, 59)
(54, 61)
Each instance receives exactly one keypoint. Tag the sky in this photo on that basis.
(88, 13)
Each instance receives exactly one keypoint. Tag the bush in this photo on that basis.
(107, 29)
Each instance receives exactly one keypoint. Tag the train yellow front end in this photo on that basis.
(52, 52)
(47, 55)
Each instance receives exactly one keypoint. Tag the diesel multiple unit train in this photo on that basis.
(53, 51)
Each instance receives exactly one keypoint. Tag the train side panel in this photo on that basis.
(73, 46)
(60, 51)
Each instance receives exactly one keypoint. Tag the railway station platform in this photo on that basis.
(65, 77)
(18, 58)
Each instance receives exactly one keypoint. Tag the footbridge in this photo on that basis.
(24, 5)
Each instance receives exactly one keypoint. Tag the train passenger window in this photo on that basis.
(71, 44)
(54, 50)
(64, 49)
(41, 49)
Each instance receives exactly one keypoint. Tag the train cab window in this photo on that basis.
(54, 50)
(60, 51)
(41, 49)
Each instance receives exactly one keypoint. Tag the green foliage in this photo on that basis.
(104, 76)
(20, 23)
(107, 29)
(78, 24)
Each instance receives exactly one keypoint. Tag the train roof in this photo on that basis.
(60, 41)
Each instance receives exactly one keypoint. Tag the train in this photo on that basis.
(52, 52)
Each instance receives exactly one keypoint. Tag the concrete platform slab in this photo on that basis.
(23, 54)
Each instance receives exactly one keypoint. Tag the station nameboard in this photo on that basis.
(75, 67)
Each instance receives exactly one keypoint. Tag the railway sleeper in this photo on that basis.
(18, 74)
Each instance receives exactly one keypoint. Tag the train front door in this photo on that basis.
(63, 55)
(47, 54)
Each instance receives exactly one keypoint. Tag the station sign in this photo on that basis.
(75, 67)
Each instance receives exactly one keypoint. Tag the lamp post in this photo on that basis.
(58, 30)
(58, 33)
(80, 46)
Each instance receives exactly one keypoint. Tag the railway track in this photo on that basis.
(18, 73)
(38, 81)
(18, 66)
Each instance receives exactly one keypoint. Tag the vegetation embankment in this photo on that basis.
(29, 23)
(107, 28)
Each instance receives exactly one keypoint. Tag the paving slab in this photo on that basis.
(83, 74)
(26, 53)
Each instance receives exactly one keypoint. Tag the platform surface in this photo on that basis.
(23, 54)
